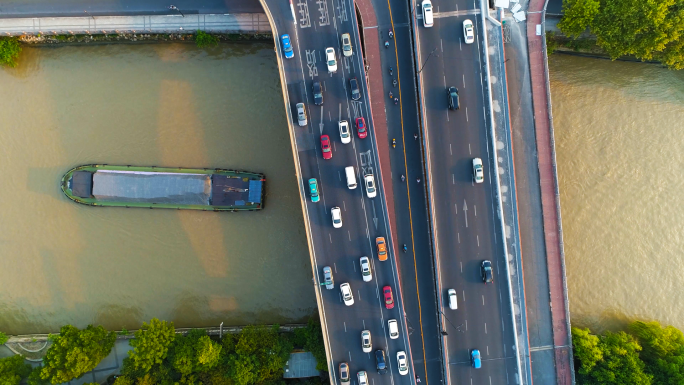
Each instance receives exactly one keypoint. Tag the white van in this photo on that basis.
(351, 177)
(393, 329)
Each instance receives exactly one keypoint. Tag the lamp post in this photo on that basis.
(174, 8)
(426, 60)
(87, 14)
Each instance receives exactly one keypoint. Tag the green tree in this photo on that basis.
(193, 354)
(151, 345)
(663, 351)
(257, 355)
(639, 28)
(620, 363)
(648, 30)
(315, 344)
(9, 51)
(75, 352)
(3, 338)
(13, 369)
(587, 351)
(578, 15)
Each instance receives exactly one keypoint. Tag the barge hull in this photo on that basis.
(161, 187)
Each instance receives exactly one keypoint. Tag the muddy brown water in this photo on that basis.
(620, 149)
(148, 104)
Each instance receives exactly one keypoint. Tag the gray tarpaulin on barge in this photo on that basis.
(126, 186)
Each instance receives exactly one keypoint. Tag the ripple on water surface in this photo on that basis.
(620, 144)
(151, 104)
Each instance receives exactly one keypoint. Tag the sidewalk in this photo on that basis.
(550, 195)
(235, 23)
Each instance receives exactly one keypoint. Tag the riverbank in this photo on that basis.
(189, 36)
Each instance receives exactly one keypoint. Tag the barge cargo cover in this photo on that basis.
(158, 187)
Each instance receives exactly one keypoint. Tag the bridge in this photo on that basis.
(449, 224)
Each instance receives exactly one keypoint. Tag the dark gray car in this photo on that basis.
(355, 92)
(380, 362)
(452, 98)
(318, 94)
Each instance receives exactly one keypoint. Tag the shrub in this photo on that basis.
(203, 39)
(9, 51)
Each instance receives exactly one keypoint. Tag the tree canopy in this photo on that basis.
(151, 344)
(13, 370)
(648, 30)
(75, 352)
(256, 355)
(663, 351)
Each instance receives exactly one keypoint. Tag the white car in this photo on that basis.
(402, 363)
(301, 114)
(468, 31)
(366, 343)
(428, 18)
(347, 295)
(478, 171)
(453, 299)
(336, 217)
(366, 269)
(363, 377)
(346, 45)
(345, 134)
(330, 59)
(371, 192)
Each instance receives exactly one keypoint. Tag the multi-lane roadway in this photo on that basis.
(314, 29)
(466, 224)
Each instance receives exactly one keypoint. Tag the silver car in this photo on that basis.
(301, 114)
(366, 343)
(328, 278)
(366, 269)
(346, 45)
(478, 171)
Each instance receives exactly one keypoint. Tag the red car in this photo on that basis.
(361, 127)
(325, 145)
(389, 300)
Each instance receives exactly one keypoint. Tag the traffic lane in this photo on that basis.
(417, 275)
(488, 374)
(365, 314)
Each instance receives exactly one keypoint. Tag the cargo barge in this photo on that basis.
(162, 187)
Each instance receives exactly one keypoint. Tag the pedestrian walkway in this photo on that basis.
(550, 196)
(228, 23)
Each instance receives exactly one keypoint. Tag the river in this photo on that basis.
(146, 104)
(619, 130)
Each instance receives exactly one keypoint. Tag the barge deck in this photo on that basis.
(163, 187)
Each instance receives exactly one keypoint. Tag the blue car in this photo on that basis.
(475, 359)
(313, 189)
(287, 47)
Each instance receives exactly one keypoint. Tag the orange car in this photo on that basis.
(382, 248)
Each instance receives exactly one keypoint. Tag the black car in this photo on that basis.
(354, 85)
(486, 271)
(318, 94)
(452, 98)
(380, 362)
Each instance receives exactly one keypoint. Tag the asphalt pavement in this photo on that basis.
(466, 221)
(410, 208)
(364, 218)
